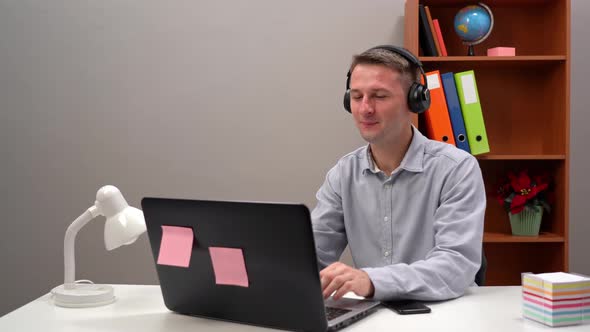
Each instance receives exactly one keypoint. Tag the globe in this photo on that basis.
(473, 24)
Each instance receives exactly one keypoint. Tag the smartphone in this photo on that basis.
(407, 307)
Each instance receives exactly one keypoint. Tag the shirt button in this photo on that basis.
(386, 218)
(386, 254)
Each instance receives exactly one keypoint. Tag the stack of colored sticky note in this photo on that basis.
(556, 299)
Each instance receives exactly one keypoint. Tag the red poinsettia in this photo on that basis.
(520, 192)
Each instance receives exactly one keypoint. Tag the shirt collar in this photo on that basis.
(412, 161)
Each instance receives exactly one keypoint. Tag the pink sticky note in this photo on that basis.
(176, 246)
(229, 266)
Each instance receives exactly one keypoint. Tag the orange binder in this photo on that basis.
(438, 121)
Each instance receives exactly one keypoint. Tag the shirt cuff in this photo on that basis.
(385, 289)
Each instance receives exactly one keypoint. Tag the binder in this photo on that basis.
(472, 113)
(438, 122)
(454, 107)
(425, 36)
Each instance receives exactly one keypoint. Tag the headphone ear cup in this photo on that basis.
(346, 101)
(418, 98)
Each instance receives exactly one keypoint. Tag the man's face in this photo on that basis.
(378, 103)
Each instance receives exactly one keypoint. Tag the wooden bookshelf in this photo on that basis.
(526, 109)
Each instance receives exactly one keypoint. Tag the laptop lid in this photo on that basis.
(272, 279)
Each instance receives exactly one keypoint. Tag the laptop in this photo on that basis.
(275, 281)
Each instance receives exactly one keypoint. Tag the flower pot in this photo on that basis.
(527, 222)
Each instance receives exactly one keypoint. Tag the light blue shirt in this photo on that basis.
(418, 232)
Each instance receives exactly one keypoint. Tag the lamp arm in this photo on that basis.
(69, 244)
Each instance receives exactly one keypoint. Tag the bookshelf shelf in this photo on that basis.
(496, 237)
(519, 59)
(501, 3)
(526, 110)
(521, 157)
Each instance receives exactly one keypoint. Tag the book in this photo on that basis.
(432, 31)
(439, 37)
(425, 36)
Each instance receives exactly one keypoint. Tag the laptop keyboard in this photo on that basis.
(332, 312)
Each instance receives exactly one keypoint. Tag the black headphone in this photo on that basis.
(418, 95)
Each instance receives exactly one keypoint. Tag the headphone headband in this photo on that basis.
(403, 53)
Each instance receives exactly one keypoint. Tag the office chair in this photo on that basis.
(480, 276)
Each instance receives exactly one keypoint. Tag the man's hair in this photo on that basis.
(409, 72)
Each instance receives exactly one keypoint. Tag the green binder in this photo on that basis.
(472, 114)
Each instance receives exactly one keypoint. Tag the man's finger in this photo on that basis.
(332, 286)
(325, 281)
(336, 283)
(345, 288)
(332, 268)
(331, 272)
(329, 289)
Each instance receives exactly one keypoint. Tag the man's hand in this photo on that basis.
(343, 279)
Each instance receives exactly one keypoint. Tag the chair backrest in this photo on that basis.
(480, 276)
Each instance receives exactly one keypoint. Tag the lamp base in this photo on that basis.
(83, 296)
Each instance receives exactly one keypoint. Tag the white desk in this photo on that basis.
(140, 308)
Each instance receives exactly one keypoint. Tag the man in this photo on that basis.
(411, 209)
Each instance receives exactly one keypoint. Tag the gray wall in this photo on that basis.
(199, 99)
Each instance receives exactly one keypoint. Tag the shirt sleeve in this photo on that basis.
(450, 267)
(328, 220)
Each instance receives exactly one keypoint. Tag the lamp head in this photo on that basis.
(124, 223)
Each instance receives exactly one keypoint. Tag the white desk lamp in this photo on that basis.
(124, 224)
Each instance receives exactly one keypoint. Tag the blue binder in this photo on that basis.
(448, 82)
